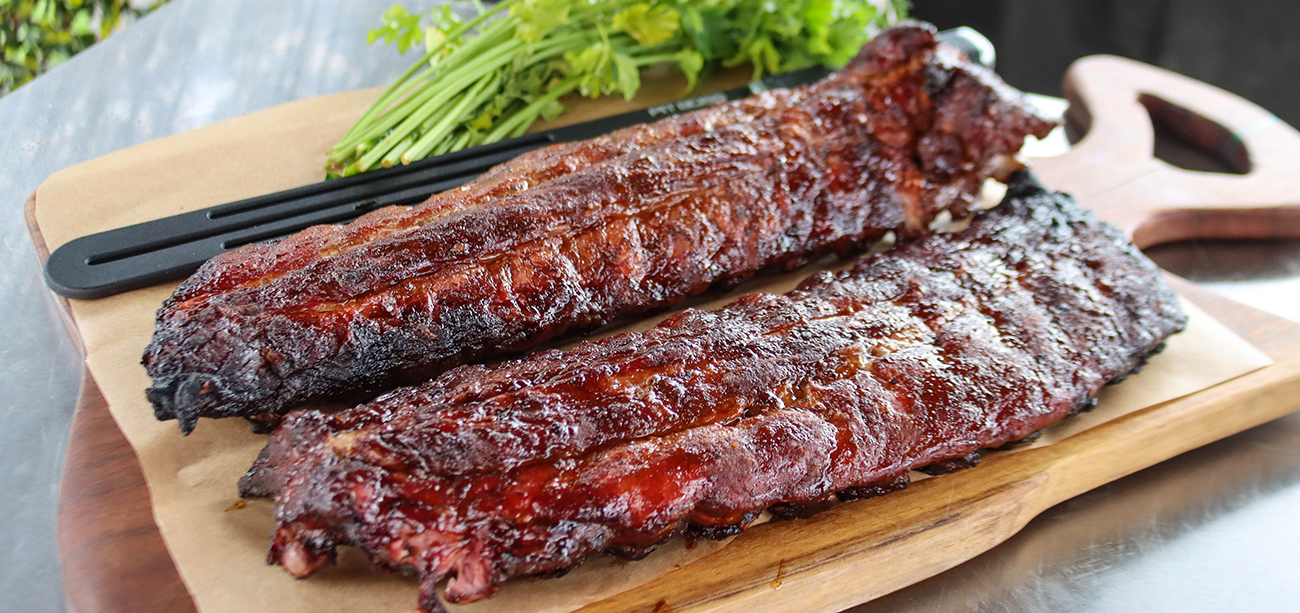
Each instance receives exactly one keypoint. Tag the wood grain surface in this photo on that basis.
(114, 559)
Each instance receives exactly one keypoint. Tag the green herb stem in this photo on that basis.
(431, 101)
(436, 133)
(522, 119)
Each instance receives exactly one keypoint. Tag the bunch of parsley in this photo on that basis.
(490, 76)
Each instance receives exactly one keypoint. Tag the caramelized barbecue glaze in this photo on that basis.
(946, 345)
(570, 237)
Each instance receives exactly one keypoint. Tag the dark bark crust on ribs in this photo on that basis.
(923, 355)
(573, 236)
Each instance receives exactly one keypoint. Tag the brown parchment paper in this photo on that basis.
(220, 551)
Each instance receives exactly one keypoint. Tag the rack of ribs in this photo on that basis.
(570, 237)
(916, 357)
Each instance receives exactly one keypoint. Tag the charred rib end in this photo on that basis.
(185, 398)
(259, 481)
(163, 395)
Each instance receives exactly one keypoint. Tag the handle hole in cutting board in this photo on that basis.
(1191, 141)
(1183, 138)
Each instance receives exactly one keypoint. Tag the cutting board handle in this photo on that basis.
(1113, 170)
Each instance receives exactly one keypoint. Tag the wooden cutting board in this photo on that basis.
(114, 558)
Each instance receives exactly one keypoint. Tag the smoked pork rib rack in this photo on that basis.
(944, 346)
(572, 236)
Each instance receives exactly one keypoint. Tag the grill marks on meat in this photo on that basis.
(573, 236)
(944, 346)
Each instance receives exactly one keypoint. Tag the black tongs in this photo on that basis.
(171, 248)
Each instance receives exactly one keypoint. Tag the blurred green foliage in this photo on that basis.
(38, 35)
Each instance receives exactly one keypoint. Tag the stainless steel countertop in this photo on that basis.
(1211, 530)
